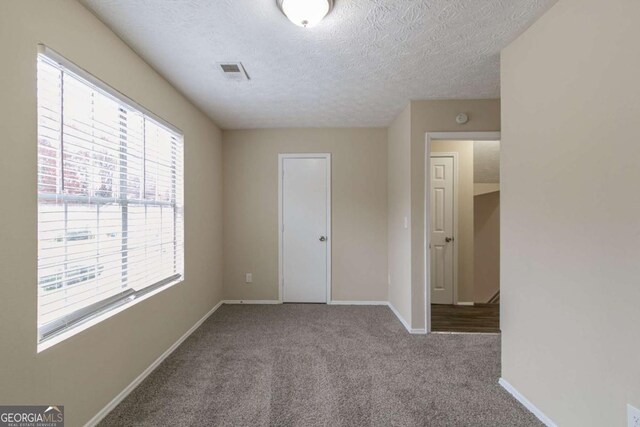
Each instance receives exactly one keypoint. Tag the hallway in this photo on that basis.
(460, 318)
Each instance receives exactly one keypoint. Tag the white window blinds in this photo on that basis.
(110, 199)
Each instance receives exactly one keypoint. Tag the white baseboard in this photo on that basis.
(124, 393)
(400, 318)
(250, 301)
(334, 302)
(405, 323)
(464, 333)
(128, 389)
(526, 403)
(465, 303)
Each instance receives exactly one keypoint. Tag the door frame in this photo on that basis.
(429, 137)
(281, 158)
(454, 155)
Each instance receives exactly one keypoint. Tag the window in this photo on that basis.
(110, 199)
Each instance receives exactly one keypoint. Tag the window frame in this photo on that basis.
(72, 323)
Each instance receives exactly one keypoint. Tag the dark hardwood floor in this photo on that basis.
(459, 318)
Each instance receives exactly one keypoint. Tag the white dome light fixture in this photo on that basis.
(305, 13)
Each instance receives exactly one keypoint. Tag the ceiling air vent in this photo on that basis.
(233, 71)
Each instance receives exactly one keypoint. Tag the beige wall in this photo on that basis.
(399, 208)
(436, 116)
(571, 212)
(465, 238)
(114, 352)
(484, 188)
(359, 209)
(486, 231)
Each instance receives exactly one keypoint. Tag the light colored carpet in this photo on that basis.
(319, 365)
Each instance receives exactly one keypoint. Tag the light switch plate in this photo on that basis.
(248, 278)
(633, 416)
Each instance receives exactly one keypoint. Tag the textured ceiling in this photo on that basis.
(358, 67)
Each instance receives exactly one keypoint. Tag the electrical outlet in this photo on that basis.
(248, 278)
(633, 416)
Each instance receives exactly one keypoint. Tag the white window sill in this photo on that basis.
(104, 316)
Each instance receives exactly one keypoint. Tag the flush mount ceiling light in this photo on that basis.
(305, 13)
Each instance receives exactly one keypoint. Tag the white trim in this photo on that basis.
(281, 158)
(468, 303)
(404, 322)
(44, 345)
(464, 333)
(363, 303)
(432, 136)
(465, 136)
(526, 403)
(334, 302)
(456, 219)
(400, 318)
(250, 301)
(128, 389)
(280, 274)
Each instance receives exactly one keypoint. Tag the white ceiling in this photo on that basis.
(358, 67)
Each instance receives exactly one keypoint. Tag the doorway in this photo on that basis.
(444, 219)
(462, 232)
(305, 228)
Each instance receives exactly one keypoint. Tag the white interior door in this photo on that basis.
(305, 226)
(442, 226)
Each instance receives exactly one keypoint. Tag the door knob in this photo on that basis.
(323, 238)
(448, 239)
